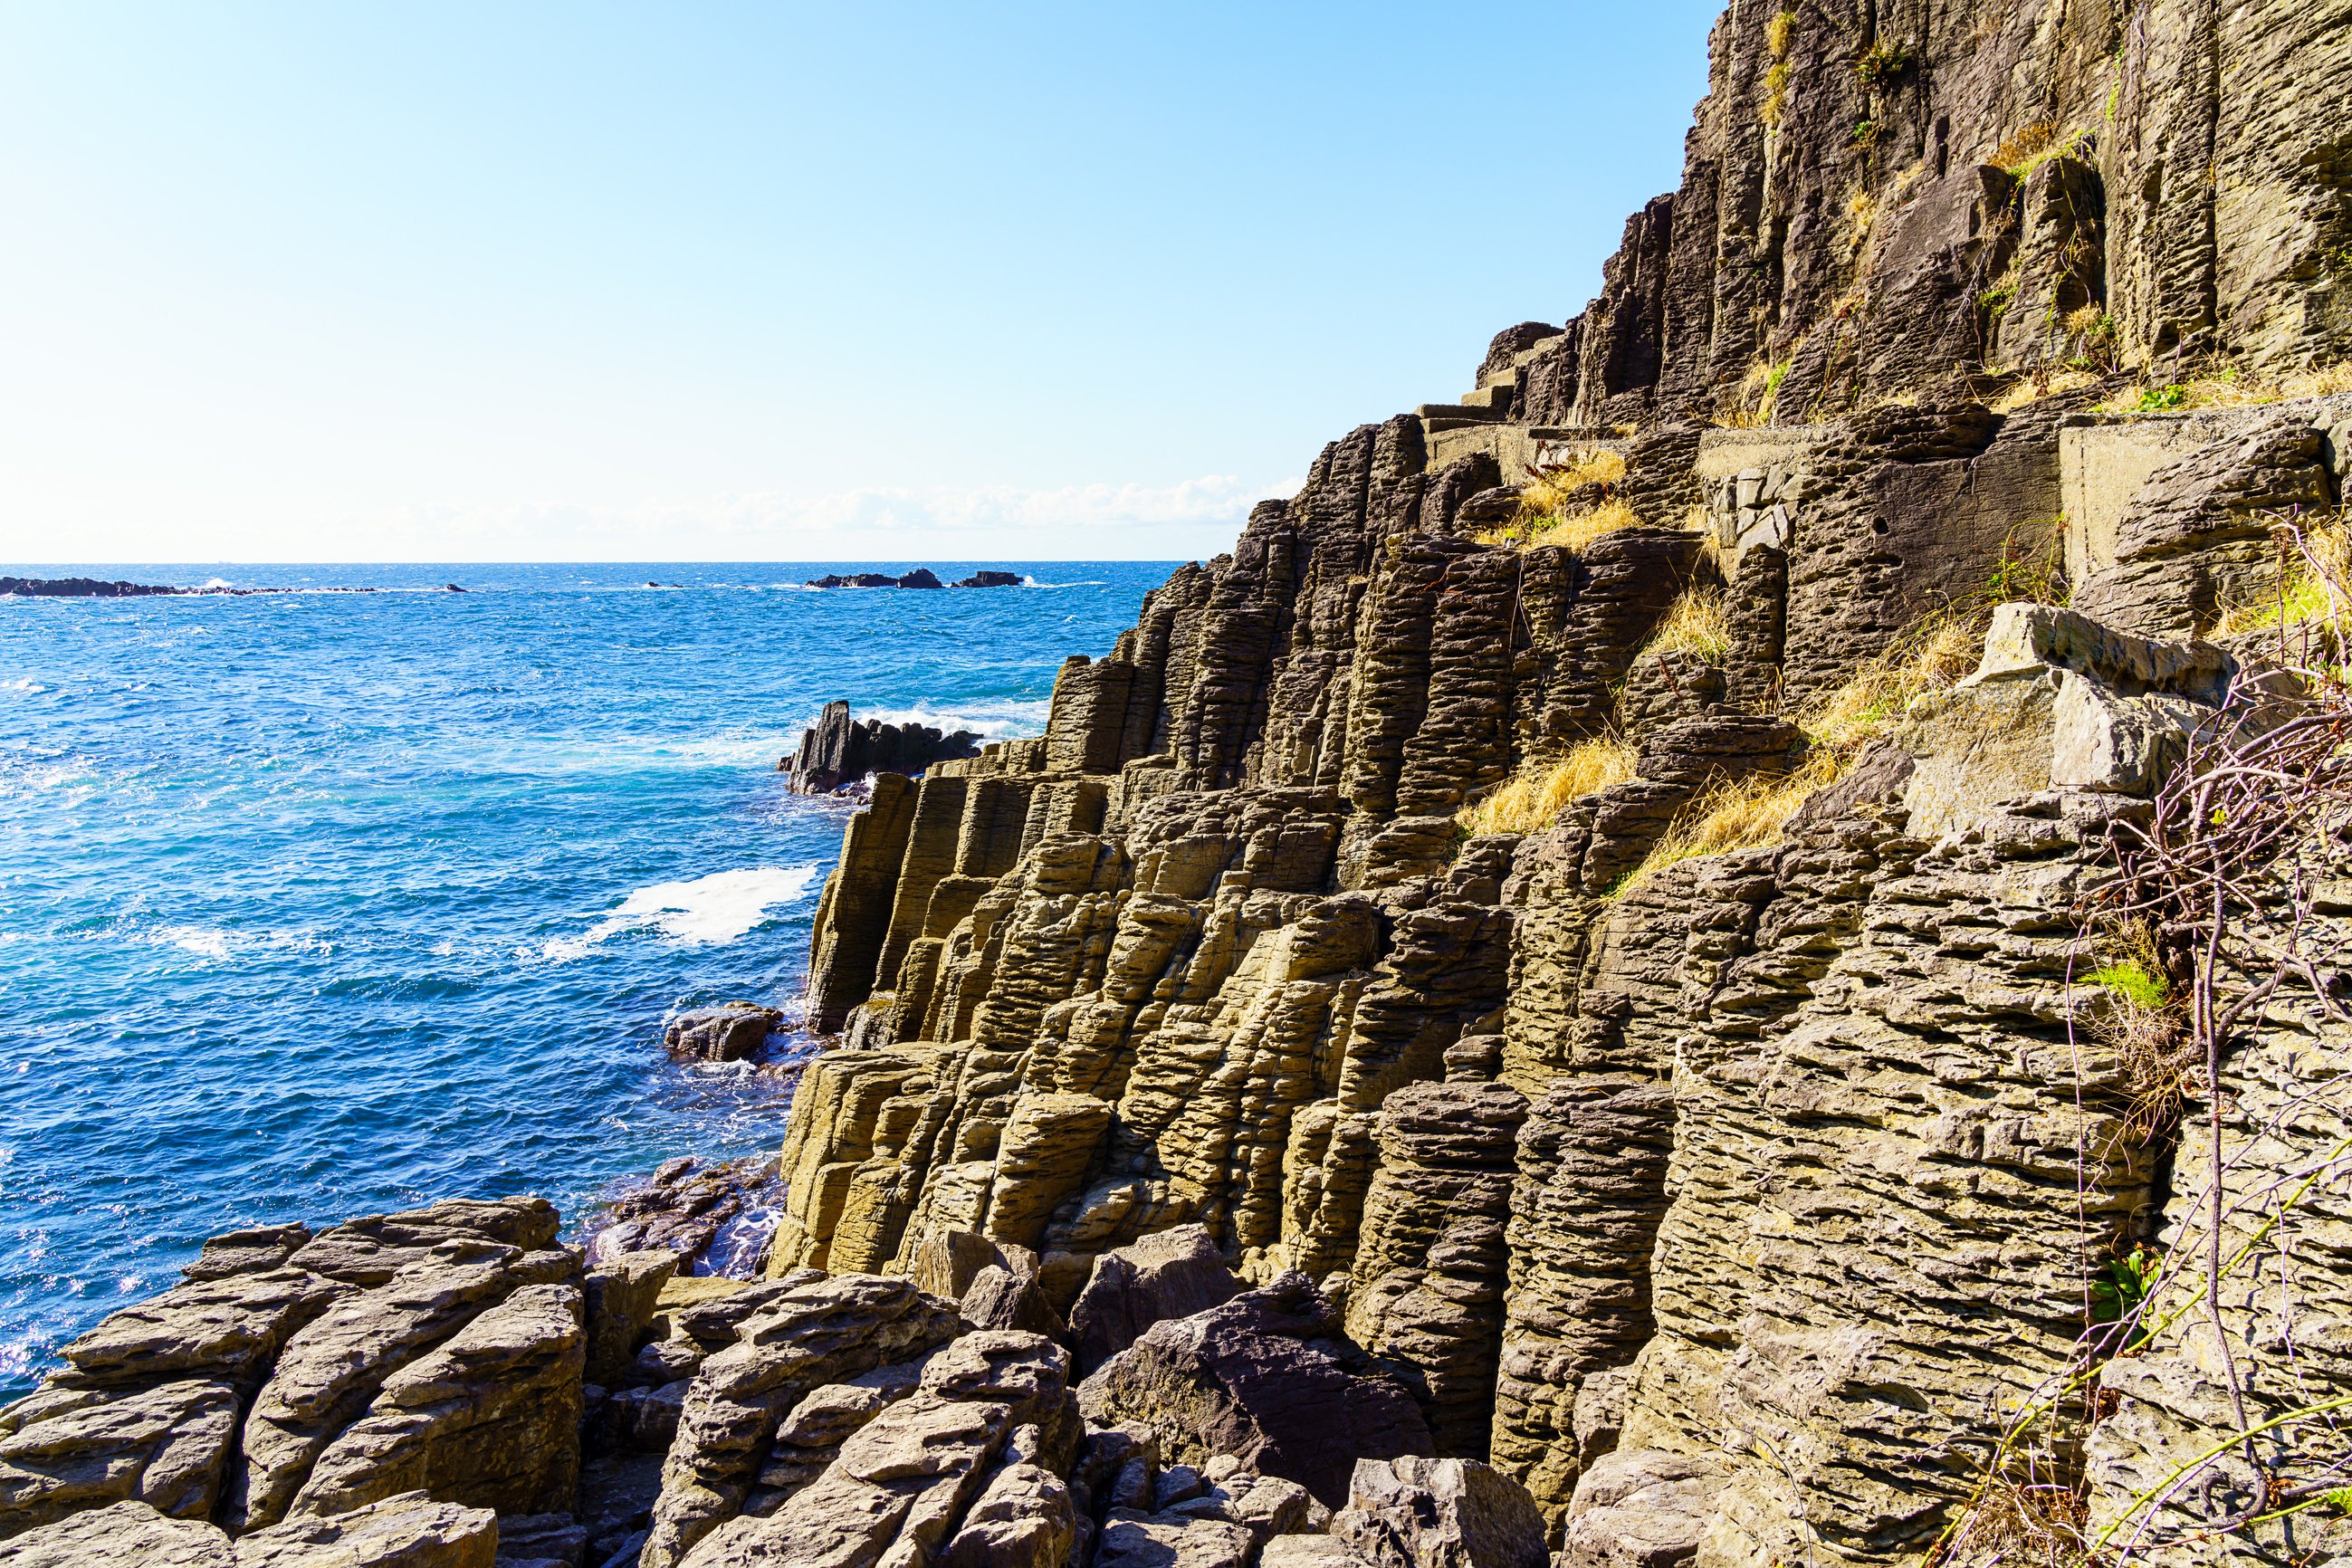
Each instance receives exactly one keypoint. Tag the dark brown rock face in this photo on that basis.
(1269, 1378)
(838, 751)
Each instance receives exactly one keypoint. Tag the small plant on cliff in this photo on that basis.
(1778, 34)
(1996, 301)
(2017, 153)
(1534, 796)
(1881, 63)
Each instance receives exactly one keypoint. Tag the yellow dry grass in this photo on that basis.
(2035, 386)
(1533, 797)
(2317, 587)
(1938, 656)
(1574, 534)
(1694, 624)
(1746, 814)
(2227, 388)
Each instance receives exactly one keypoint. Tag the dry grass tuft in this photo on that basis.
(1575, 534)
(2034, 1524)
(2017, 153)
(2227, 388)
(1694, 624)
(2043, 381)
(2316, 588)
(1938, 654)
(1746, 814)
(1534, 796)
(1554, 490)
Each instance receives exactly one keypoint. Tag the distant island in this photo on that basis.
(98, 588)
(921, 578)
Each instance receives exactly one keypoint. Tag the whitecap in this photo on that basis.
(26, 684)
(996, 720)
(1033, 583)
(202, 941)
(707, 910)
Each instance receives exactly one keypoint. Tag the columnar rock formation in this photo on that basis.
(1226, 1156)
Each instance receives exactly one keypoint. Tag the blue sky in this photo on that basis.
(317, 282)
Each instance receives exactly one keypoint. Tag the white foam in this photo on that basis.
(996, 720)
(1033, 583)
(706, 911)
(26, 684)
(201, 940)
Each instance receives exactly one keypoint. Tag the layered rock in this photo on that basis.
(838, 751)
(298, 1377)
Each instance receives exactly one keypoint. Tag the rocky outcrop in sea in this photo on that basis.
(1728, 951)
(839, 750)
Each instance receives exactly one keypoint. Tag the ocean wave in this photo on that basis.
(24, 684)
(1091, 583)
(706, 911)
(218, 945)
(199, 939)
(997, 721)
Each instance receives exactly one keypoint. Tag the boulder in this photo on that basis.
(989, 579)
(1269, 1378)
(372, 1249)
(731, 1033)
(1172, 1274)
(254, 1251)
(1131, 1539)
(904, 1479)
(229, 1328)
(807, 1335)
(1641, 1508)
(1439, 1513)
(123, 1533)
(490, 1417)
(408, 1531)
(999, 1299)
(621, 1296)
(166, 1448)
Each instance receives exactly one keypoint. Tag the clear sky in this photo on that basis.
(492, 282)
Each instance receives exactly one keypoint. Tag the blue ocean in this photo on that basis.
(314, 904)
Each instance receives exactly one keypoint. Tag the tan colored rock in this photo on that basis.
(166, 1448)
(330, 1371)
(823, 1333)
(904, 1481)
(1131, 1539)
(371, 1250)
(1439, 1513)
(229, 1328)
(490, 1417)
(124, 1533)
(621, 1298)
(408, 1531)
(1022, 1518)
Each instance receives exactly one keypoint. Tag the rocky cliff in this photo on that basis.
(1729, 951)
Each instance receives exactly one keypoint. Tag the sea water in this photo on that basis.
(315, 904)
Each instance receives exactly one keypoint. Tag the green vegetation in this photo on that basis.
(2130, 1280)
(1881, 63)
(2131, 981)
(2161, 399)
(1997, 299)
